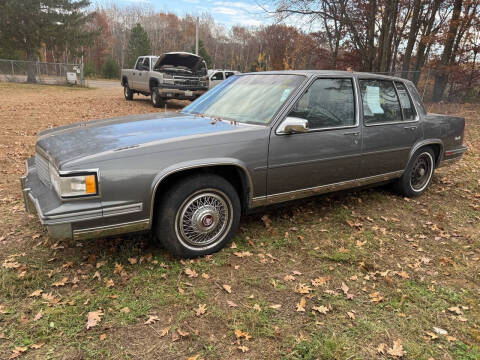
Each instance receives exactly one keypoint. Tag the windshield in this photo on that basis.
(246, 98)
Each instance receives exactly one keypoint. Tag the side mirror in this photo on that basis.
(293, 125)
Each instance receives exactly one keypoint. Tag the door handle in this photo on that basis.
(411, 128)
(354, 133)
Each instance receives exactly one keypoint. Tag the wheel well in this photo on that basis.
(437, 150)
(232, 173)
(152, 83)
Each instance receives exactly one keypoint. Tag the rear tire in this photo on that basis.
(418, 174)
(127, 92)
(155, 98)
(198, 216)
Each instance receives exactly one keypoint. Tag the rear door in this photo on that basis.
(302, 164)
(390, 127)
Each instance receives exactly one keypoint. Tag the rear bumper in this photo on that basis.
(77, 219)
(451, 156)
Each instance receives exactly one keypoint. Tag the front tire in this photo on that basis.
(198, 216)
(155, 98)
(127, 92)
(418, 174)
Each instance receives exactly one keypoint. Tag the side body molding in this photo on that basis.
(196, 164)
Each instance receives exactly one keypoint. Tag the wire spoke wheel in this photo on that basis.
(204, 219)
(421, 172)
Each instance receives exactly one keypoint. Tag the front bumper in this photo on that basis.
(81, 219)
(186, 92)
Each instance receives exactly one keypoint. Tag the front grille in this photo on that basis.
(42, 169)
(186, 81)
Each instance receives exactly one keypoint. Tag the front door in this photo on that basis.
(302, 164)
(390, 127)
(216, 79)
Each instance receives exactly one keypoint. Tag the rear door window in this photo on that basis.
(380, 102)
(408, 109)
(228, 74)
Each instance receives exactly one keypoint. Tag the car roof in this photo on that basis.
(310, 73)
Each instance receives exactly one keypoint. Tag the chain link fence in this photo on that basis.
(41, 72)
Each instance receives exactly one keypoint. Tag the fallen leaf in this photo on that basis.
(319, 281)
(195, 357)
(109, 283)
(38, 316)
(351, 315)
(302, 289)
(289, 278)
(201, 309)
(164, 331)
(242, 254)
(396, 350)
(301, 305)
(191, 273)
(231, 303)
(125, 310)
(321, 309)
(227, 288)
(205, 276)
(455, 310)
(36, 346)
(103, 337)
(182, 333)
(94, 318)
(132, 261)
(36, 293)
(276, 306)
(381, 348)
(118, 268)
(243, 348)
(239, 334)
(151, 319)
(60, 282)
(257, 307)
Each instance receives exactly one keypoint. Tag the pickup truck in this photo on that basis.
(174, 75)
(253, 140)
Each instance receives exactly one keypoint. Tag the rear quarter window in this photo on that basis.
(417, 99)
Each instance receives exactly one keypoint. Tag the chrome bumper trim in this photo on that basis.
(109, 230)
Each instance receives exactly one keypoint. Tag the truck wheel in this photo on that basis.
(198, 216)
(155, 98)
(127, 92)
(418, 174)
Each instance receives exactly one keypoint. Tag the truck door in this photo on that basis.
(134, 80)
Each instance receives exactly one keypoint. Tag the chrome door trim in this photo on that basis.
(317, 190)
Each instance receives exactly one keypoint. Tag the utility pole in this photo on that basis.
(196, 37)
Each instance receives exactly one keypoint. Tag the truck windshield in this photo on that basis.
(246, 98)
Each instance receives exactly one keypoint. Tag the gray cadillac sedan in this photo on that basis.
(254, 140)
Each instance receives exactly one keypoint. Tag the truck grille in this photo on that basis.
(186, 81)
(42, 169)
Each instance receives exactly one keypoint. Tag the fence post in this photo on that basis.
(13, 71)
(81, 75)
(425, 85)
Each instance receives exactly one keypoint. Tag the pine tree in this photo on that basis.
(138, 44)
(27, 24)
(202, 51)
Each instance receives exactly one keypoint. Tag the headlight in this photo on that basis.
(67, 186)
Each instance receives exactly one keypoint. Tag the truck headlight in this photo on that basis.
(74, 185)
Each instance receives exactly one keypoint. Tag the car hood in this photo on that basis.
(71, 142)
(176, 60)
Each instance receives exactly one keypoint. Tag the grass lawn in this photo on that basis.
(363, 274)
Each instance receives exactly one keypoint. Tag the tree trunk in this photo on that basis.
(31, 67)
(441, 76)
(412, 37)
